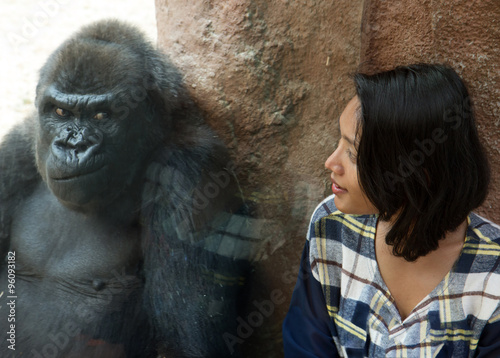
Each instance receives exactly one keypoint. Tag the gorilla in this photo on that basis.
(116, 202)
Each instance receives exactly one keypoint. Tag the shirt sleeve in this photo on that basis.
(489, 342)
(307, 326)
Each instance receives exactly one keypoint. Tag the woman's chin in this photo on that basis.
(346, 206)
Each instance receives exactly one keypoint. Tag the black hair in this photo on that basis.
(419, 155)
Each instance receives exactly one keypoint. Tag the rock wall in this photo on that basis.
(272, 78)
(464, 34)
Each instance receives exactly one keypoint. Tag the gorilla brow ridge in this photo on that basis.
(77, 100)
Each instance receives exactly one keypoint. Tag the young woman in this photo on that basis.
(395, 263)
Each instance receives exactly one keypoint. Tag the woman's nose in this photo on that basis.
(334, 164)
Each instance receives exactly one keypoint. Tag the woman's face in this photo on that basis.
(349, 197)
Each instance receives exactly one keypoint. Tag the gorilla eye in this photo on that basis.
(101, 115)
(61, 112)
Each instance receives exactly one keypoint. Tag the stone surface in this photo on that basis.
(272, 78)
(462, 33)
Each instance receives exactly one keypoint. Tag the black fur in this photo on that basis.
(111, 197)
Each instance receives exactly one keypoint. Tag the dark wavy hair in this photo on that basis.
(419, 156)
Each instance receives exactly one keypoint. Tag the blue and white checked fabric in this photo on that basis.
(459, 318)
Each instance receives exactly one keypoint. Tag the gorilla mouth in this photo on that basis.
(77, 175)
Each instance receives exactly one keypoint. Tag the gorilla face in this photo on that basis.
(85, 152)
(101, 113)
(95, 124)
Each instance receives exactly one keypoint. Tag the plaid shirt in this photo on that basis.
(344, 308)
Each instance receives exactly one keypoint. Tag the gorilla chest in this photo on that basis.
(53, 241)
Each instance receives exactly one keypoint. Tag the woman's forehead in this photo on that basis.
(349, 119)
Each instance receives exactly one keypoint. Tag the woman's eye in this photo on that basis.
(61, 112)
(101, 115)
(351, 155)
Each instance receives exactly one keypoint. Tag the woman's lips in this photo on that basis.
(337, 189)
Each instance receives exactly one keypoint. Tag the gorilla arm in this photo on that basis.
(188, 192)
(18, 175)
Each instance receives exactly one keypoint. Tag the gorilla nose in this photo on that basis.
(76, 145)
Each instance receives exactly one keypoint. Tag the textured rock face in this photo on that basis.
(272, 78)
(464, 34)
